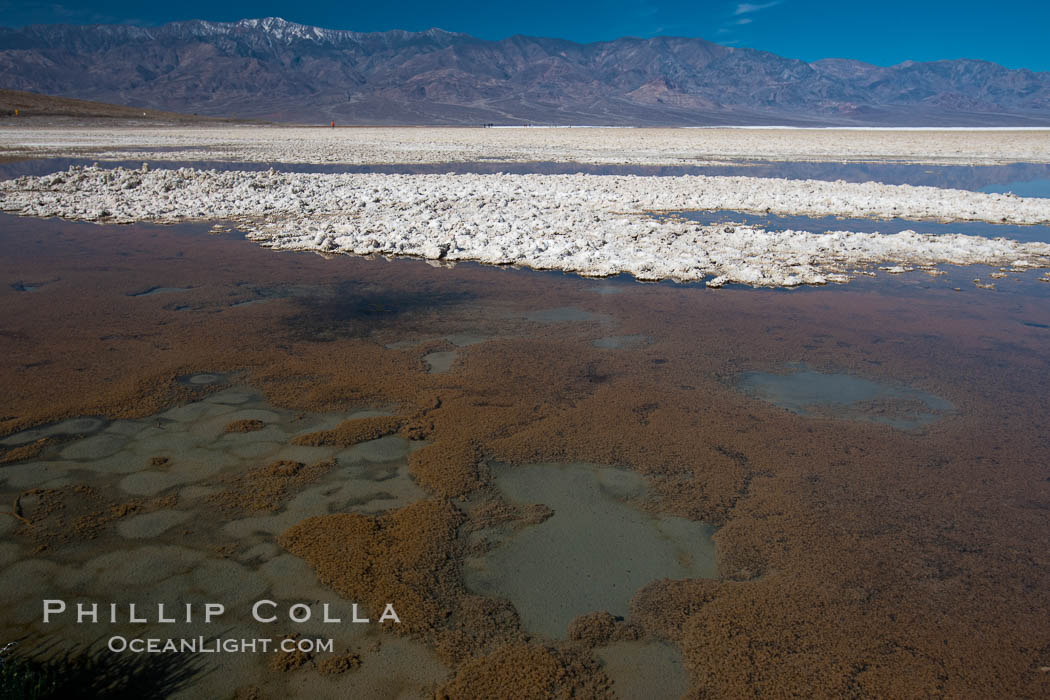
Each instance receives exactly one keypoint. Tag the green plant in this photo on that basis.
(21, 679)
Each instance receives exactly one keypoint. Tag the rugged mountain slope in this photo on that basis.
(275, 69)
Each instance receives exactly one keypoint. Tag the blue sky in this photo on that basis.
(885, 32)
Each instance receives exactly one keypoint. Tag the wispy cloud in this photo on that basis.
(746, 8)
(741, 16)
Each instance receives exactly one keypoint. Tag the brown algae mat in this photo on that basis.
(853, 558)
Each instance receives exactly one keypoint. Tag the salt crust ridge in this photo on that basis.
(591, 225)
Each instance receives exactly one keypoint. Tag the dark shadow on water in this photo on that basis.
(21, 286)
(151, 291)
(355, 312)
(52, 670)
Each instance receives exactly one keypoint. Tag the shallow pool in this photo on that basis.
(593, 553)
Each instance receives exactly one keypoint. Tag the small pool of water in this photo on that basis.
(810, 393)
(1023, 188)
(439, 362)
(822, 224)
(594, 552)
(617, 342)
(203, 379)
(190, 447)
(964, 177)
(201, 526)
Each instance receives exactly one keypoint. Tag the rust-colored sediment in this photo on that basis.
(528, 672)
(24, 452)
(267, 488)
(351, 432)
(339, 663)
(598, 629)
(856, 560)
(449, 467)
(406, 556)
(52, 518)
(290, 660)
(247, 425)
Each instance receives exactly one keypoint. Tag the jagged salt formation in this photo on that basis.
(592, 225)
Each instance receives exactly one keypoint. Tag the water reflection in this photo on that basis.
(822, 224)
(1023, 188)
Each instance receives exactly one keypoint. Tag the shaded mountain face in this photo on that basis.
(31, 104)
(273, 69)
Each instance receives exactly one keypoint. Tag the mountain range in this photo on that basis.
(282, 71)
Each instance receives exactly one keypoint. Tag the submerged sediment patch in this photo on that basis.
(817, 394)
